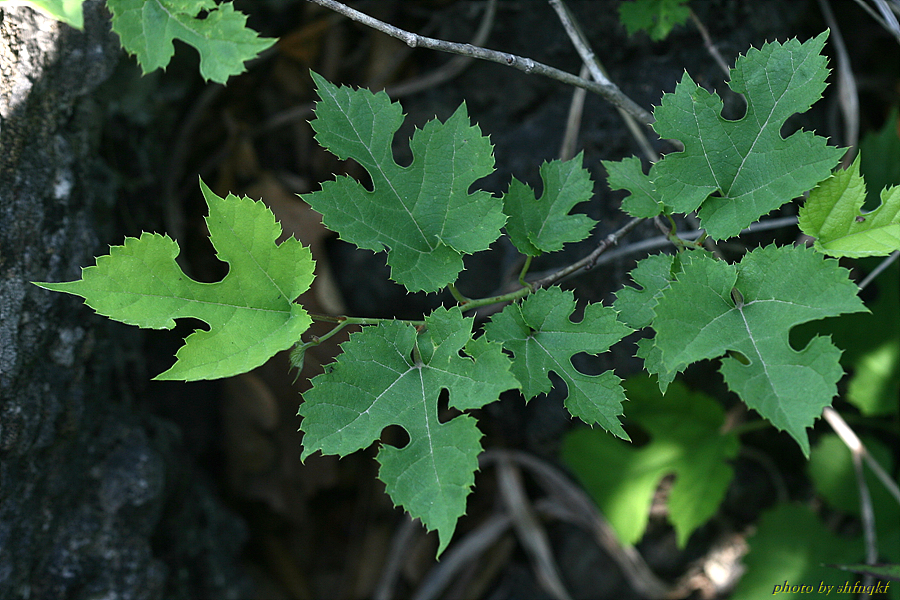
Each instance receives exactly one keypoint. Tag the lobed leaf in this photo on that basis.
(833, 215)
(391, 375)
(737, 171)
(542, 338)
(251, 313)
(635, 307)
(147, 29)
(789, 551)
(544, 224)
(643, 201)
(422, 214)
(713, 307)
(685, 440)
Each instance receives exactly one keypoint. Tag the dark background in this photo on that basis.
(114, 486)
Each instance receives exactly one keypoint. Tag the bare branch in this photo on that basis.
(588, 261)
(856, 446)
(608, 91)
(595, 67)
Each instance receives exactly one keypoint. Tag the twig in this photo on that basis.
(662, 241)
(397, 553)
(461, 553)
(529, 529)
(573, 122)
(608, 91)
(858, 452)
(878, 270)
(595, 68)
(632, 564)
(710, 46)
(886, 19)
(849, 438)
(591, 259)
(868, 518)
(452, 68)
(848, 97)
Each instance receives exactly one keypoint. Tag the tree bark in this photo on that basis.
(90, 491)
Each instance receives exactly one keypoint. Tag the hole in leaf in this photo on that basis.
(394, 435)
(445, 411)
(738, 356)
(588, 364)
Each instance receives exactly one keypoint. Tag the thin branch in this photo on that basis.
(848, 96)
(591, 259)
(849, 438)
(858, 452)
(468, 548)
(453, 67)
(608, 91)
(634, 568)
(879, 269)
(531, 533)
(886, 20)
(598, 73)
(573, 122)
(710, 46)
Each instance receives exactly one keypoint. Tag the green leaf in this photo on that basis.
(653, 274)
(833, 215)
(147, 29)
(635, 307)
(250, 312)
(713, 307)
(423, 214)
(656, 17)
(643, 201)
(685, 440)
(870, 341)
(543, 225)
(67, 11)
(880, 152)
(543, 339)
(750, 167)
(390, 375)
(788, 551)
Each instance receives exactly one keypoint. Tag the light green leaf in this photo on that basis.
(713, 307)
(251, 314)
(685, 440)
(543, 339)
(543, 225)
(422, 214)
(833, 216)
(747, 162)
(67, 11)
(880, 152)
(643, 201)
(147, 29)
(390, 375)
(656, 17)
